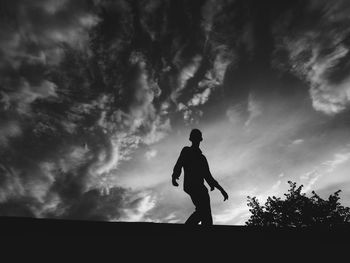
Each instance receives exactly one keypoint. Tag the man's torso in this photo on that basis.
(195, 167)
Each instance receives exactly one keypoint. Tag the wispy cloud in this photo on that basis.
(9, 130)
(318, 57)
(297, 142)
(254, 109)
(326, 168)
(139, 212)
(338, 159)
(186, 73)
(227, 216)
(151, 154)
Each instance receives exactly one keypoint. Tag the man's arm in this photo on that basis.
(212, 182)
(177, 168)
(223, 192)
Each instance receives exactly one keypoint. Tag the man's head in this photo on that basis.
(196, 136)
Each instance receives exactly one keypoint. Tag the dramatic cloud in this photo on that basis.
(97, 98)
(319, 58)
(36, 98)
(32, 38)
(185, 74)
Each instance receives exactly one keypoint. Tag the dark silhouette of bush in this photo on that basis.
(298, 210)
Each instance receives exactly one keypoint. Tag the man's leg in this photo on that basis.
(195, 218)
(205, 210)
(202, 214)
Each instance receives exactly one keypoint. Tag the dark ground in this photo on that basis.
(12, 226)
(145, 241)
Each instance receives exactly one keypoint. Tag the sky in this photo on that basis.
(97, 99)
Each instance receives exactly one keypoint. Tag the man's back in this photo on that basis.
(196, 169)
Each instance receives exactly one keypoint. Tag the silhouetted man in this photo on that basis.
(196, 169)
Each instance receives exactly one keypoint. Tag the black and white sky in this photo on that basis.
(97, 99)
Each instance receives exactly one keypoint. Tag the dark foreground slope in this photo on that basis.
(51, 239)
(10, 226)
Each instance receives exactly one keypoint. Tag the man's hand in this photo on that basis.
(174, 182)
(225, 195)
(223, 192)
